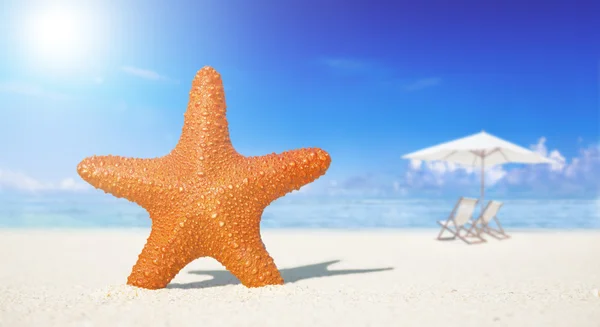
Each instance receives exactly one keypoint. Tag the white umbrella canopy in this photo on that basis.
(479, 150)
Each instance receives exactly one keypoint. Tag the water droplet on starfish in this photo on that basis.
(221, 223)
(214, 215)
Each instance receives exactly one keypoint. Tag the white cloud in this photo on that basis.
(18, 181)
(353, 66)
(345, 64)
(415, 164)
(70, 184)
(422, 83)
(559, 161)
(363, 185)
(303, 190)
(31, 91)
(145, 73)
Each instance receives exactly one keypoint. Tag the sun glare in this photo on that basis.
(57, 32)
(60, 37)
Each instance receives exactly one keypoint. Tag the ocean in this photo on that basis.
(302, 212)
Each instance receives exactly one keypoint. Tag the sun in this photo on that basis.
(57, 31)
(60, 36)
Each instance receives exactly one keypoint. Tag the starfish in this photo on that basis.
(204, 198)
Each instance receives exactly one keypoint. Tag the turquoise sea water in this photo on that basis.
(299, 212)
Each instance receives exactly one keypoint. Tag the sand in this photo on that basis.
(334, 278)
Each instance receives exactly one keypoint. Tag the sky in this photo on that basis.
(367, 81)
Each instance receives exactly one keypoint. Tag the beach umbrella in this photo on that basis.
(479, 150)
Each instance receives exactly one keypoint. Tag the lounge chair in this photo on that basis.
(490, 213)
(457, 221)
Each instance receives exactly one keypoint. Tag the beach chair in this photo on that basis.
(460, 220)
(490, 213)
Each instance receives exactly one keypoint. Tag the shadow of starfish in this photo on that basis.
(290, 275)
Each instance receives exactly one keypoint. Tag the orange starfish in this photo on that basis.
(204, 198)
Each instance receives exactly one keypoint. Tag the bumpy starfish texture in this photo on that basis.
(204, 198)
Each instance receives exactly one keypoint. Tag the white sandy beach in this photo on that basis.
(76, 278)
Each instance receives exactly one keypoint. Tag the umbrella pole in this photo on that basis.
(482, 182)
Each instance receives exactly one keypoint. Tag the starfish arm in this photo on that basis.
(279, 174)
(130, 178)
(205, 135)
(166, 252)
(249, 261)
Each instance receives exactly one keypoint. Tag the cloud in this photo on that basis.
(375, 71)
(580, 175)
(70, 184)
(18, 181)
(383, 74)
(366, 185)
(145, 73)
(577, 177)
(559, 161)
(31, 91)
(346, 64)
(422, 83)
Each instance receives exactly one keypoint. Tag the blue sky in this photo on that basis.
(366, 81)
